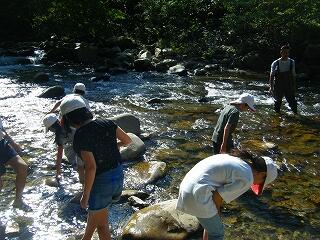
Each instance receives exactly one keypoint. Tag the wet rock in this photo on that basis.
(137, 202)
(164, 65)
(146, 172)
(52, 182)
(133, 150)
(259, 146)
(41, 77)
(143, 64)
(87, 53)
(154, 101)
(129, 193)
(144, 54)
(128, 122)
(53, 92)
(160, 222)
(200, 72)
(178, 69)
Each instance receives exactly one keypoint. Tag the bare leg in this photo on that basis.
(20, 168)
(97, 220)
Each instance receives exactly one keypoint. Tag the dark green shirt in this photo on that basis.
(229, 115)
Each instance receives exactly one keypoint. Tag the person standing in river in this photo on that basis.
(222, 178)
(79, 89)
(282, 80)
(9, 155)
(64, 142)
(97, 142)
(227, 123)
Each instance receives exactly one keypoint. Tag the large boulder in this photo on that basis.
(160, 222)
(128, 122)
(53, 92)
(133, 150)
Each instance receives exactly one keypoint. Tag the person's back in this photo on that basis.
(229, 115)
(208, 175)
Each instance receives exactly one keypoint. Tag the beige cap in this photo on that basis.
(79, 86)
(49, 120)
(71, 103)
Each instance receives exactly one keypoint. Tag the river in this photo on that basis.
(181, 128)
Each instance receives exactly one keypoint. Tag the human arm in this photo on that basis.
(226, 131)
(123, 137)
(271, 83)
(218, 201)
(59, 160)
(55, 107)
(89, 175)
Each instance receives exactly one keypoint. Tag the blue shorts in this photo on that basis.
(6, 152)
(213, 226)
(106, 189)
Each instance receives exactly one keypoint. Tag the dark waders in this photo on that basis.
(284, 86)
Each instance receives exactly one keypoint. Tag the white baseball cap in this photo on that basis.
(272, 173)
(71, 103)
(80, 87)
(49, 120)
(246, 98)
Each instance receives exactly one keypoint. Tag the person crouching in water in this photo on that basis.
(219, 178)
(227, 122)
(97, 142)
(64, 142)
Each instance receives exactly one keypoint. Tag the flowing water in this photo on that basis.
(181, 128)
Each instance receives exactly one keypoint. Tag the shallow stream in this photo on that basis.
(181, 128)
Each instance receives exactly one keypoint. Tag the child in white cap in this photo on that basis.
(219, 178)
(64, 142)
(79, 89)
(227, 123)
(97, 142)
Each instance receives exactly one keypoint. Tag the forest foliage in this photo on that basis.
(198, 27)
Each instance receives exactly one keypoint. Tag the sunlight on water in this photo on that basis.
(181, 129)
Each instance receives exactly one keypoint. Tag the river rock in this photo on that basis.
(137, 202)
(52, 182)
(259, 146)
(178, 69)
(126, 194)
(134, 150)
(160, 222)
(53, 92)
(128, 122)
(143, 64)
(144, 173)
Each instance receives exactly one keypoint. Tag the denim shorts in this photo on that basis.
(106, 189)
(213, 226)
(6, 152)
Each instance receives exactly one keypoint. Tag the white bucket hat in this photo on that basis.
(80, 87)
(71, 103)
(49, 120)
(272, 173)
(246, 98)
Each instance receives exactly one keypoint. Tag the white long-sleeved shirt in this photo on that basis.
(229, 175)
